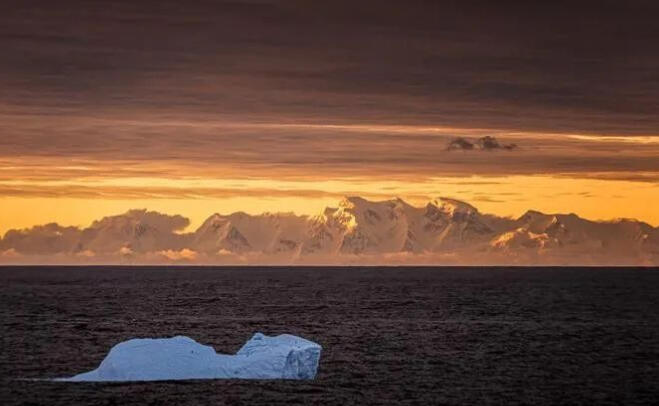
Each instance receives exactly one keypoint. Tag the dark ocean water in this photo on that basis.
(389, 335)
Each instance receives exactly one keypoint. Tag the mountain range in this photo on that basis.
(357, 231)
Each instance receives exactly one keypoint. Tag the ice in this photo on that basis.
(262, 357)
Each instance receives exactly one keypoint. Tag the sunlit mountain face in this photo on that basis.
(248, 107)
(356, 231)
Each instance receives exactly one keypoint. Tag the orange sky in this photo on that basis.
(287, 106)
(72, 200)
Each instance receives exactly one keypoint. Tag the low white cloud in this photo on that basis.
(10, 253)
(184, 254)
(86, 254)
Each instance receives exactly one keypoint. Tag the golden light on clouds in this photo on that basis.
(224, 166)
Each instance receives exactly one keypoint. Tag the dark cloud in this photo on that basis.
(489, 143)
(486, 143)
(460, 144)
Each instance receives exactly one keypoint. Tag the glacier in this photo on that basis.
(153, 359)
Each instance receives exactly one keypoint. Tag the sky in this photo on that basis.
(216, 106)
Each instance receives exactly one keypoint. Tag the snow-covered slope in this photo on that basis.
(241, 232)
(455, 224)
(48, 239)
(361, 226)
(262, 357)
(136, 231)
(570, 233)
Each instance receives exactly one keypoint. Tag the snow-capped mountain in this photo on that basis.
(361, 226)
(241, 233)
(357, 230)
(48, 239)
(569, 234)
(136, 231)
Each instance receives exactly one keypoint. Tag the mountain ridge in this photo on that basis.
(443, 231)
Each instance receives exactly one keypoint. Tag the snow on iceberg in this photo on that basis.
(262, 357)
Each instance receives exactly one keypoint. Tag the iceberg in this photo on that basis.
(153, 359)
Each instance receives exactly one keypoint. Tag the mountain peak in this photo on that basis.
(531, 215)
(352, 201)
(453, 206)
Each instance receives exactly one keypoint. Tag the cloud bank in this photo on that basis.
(530, 67)
(318, 88)
(358, 231)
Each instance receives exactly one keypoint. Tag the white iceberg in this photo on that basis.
(262, 357)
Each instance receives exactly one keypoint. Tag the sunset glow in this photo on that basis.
(80, 202)
(284, 107)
